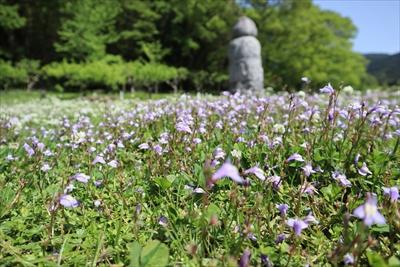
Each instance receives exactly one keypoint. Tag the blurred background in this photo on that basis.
(181, 45)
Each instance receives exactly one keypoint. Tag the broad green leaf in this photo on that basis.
(154, 254)
(376, 260)
(135, 254)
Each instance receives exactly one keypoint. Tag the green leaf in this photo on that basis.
(381, 228)
(394, 262)
(376, 260)
(135, 254)
(154, 254)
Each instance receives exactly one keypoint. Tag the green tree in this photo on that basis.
(87, 29)
(298, 39)
(10, 20)
(137, 30)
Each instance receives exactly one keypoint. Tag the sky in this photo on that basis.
(377, 21)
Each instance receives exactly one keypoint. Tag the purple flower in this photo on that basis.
(163, 221)
(298, 225)
(310, 219)
(144, 146)
(158, 149)
(98, 183)
(341, 178)
(276, 181)
(245, 259)
(199, 190)
(99, 159)
(40, 146)
(364, 171)
(356, 158)
(113, 163)
(308, 188)
(183, 127)
(257, 172)
(392, 192)
(69, 201)
(280, 238)
(29, 150)
(219, 153)
(308, 170)
(45, 167)
(69, 188)
(348, 259)
(368, 212)
(228, 170)
(283, 208)
(81, 177)
(295, 157)
(328, 89)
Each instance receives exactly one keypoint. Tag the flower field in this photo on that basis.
(231, 180)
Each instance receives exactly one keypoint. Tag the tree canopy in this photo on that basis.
(297, 37)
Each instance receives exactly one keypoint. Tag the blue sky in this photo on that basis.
(377, 21)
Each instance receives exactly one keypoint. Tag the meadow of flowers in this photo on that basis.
(234, 180)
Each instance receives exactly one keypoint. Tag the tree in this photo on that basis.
(10, 19)
(298, 39)
(88, 28)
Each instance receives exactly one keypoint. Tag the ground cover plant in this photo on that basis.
(234, 180)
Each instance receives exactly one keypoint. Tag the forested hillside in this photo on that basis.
(385, 68)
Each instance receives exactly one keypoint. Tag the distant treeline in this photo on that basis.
(385, 68)
(114, 44)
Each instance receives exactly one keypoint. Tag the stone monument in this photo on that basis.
(245, 67)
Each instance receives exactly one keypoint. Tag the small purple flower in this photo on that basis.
(219, 153)
(276, 181)
(280, 238)
(69, 188)
(310, 219)
(81, 177)
(99, 159)
(348, 259)
(113, 164)
(158, 149)
(98, 183)
(69, 201)
(295, 157)
(308, 188)
(199, 190)
(245, 259)
(48, 153)
(144, 146)
(45, 167)
(392, 192)
(40, 146)
(364, 171)
(308, 170)
(283, 208)
(228, 170)
(368, 212)
(163, 221)
(341, 178)
(298, 225)
(29, 150)
(328, 89)
(183, 127)
(257, 172)
(356, 159)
